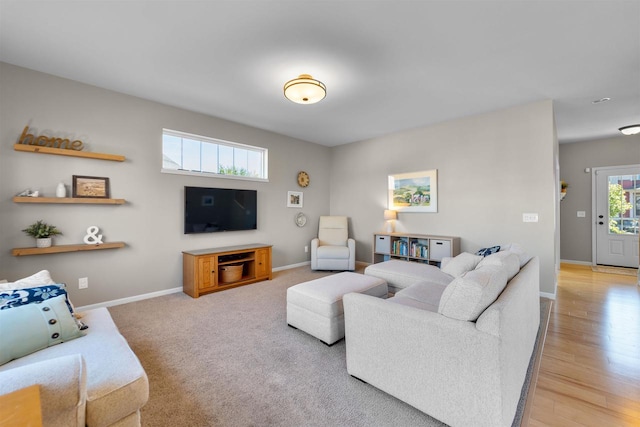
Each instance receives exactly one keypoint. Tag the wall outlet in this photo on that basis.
(582, 214)
(83, 283)
(306, 248)
(529, 217)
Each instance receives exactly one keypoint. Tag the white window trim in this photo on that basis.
(180, 134)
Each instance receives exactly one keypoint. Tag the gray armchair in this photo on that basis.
(333, 249)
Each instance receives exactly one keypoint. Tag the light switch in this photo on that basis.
(582, 214)
(529, 217)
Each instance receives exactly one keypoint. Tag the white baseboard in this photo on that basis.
(290, 266)
(129, 299)
(161, 293)
(548, 295)
(569, 261)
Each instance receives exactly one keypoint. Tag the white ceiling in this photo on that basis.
(388, 65)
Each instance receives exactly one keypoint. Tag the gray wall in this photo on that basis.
(492, 168)
(151, 221)
(575, 238)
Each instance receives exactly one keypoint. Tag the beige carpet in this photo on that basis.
(229, 359)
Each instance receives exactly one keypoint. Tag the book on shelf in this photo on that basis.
(419, 250)
(410, 249)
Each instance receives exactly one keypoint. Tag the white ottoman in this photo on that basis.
(316, 306)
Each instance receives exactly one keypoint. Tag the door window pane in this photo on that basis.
(624, 206)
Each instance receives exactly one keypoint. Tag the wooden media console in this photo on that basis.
(203, 270)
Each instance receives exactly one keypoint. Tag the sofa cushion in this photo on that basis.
(63, 388)
(401, 274)
(515, 248)
(424, 295)
(117, 385)
(467, 296)
(460, 264)
(332, 252)
(32, 327)
(507, 260)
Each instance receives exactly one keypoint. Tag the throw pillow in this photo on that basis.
(515, 248)
(466, 297)
(40, 278)
(32, 327)
(507, 260)
(488, 251)
(460, 264)
(17, 297)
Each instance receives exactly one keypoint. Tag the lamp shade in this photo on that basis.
(305, 90)
(630, 130)
(389, 214)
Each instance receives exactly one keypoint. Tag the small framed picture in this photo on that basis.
(90, 186)
(294, 199)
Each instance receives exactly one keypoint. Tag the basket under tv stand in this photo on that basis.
(201, 273)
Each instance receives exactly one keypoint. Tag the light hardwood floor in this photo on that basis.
(590, 369)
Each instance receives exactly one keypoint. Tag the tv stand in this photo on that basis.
(201, 273)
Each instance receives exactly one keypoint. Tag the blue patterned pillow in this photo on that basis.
(488, 251)
(16, 297)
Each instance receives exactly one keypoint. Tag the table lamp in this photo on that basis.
(389, 217)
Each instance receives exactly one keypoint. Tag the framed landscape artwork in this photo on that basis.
(414, 191)
(90, 186)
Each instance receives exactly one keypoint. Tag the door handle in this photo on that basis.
(600, 222)
(600, 216)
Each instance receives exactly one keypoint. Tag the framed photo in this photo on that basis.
(294, 199)
(90, 186)
(414, 191)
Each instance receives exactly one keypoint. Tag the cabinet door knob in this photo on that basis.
(213, 271)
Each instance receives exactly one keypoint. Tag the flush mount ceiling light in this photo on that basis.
(305, 90)
(630, 130)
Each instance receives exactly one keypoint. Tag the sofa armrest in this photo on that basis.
(63, 391)
(351, 244)
(436, 364)
(314, 251)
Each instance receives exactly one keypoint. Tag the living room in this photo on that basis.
(492, 165)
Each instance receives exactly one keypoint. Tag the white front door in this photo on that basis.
(617, 209)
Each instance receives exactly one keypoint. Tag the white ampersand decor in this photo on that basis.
(92, 237)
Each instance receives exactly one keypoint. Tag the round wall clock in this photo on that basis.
(303, 179)
(301, 219)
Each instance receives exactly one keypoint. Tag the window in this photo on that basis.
(185, 153)
(624, 204)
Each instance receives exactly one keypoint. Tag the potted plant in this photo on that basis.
(42, 232)
(563, 189)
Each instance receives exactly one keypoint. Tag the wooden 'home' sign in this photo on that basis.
(46, 141)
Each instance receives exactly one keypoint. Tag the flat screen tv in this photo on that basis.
(211, 210)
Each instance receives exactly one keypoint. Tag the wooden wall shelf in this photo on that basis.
(69, 200)
(70, 153)
(65, 248)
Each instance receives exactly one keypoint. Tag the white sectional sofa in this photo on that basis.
(91, 378)
(95, 380)
(458, 351)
